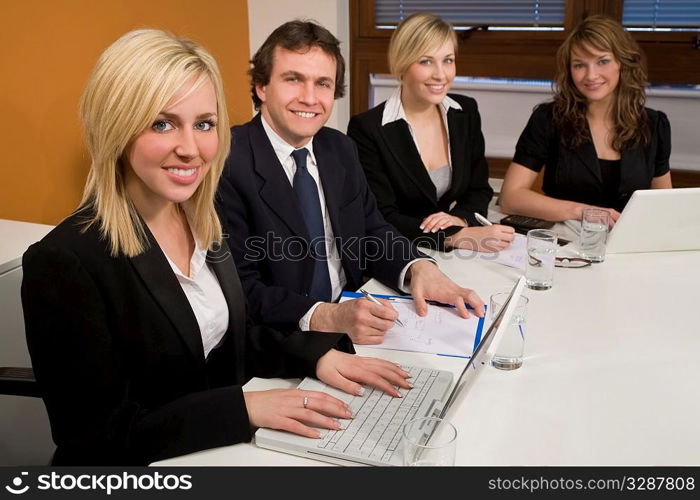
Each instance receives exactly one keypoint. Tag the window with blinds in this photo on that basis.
(658, 14)
(511, 13)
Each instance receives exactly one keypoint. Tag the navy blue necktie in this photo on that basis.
(307, 191)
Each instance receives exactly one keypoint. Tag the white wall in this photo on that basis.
(266, 15)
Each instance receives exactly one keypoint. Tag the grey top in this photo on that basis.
(442, 178)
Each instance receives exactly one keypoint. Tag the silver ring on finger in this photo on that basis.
(306, 401)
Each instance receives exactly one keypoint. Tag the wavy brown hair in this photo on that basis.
(570, 106)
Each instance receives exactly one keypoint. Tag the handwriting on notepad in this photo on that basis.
(441, 331)
(514, 255)
(414, 322)
(419, 327)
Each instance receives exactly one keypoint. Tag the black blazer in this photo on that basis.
(574, 174)
(269, 239)
(405, 194)
(118, 354)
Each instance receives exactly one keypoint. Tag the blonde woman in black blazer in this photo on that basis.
(423, 151)
(135, 318)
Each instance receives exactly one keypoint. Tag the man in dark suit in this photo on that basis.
(303, 223)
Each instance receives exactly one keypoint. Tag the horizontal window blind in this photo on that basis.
(470, 13)
(661, 13)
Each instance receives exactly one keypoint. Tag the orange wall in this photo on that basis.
(47, 50)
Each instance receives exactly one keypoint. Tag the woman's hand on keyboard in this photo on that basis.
(292, 409)
(349, 373)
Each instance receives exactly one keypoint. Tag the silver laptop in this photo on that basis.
(373, 436)
(658, 220)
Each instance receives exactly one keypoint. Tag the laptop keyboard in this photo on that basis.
(375, 429)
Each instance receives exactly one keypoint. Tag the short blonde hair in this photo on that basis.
(414, 36)
(132, 82)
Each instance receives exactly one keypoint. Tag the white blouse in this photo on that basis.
(205, 297)
(393, 111)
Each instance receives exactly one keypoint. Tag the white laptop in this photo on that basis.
(373, 436)
(658, 220)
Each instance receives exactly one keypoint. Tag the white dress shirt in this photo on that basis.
(393, 111)
(284, 155)
(283, 150)
(205, 297)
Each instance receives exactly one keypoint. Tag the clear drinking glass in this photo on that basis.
(541, 252)
(594, 234)
(511, 345)
(429, 441)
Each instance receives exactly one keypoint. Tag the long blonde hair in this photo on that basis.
(132, 82)
(570, 106)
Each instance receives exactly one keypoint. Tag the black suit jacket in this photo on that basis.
(118, 354)
(269, 238)
(395, 172)
(574, 174)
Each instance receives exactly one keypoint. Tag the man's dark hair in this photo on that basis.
(298, 36)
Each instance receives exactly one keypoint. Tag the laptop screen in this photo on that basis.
(658, 220)
(480, 356)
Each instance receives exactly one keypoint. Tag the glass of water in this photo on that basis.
(594, 233)
(511, 345)
(429, 442)
(541, 253)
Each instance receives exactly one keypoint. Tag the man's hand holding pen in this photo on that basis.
(365, 321)
(371, 298)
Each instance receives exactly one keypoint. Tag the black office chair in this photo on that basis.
(18, 381)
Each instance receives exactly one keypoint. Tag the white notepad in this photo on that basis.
(442, 331)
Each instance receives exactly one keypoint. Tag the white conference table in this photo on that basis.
(611, 374)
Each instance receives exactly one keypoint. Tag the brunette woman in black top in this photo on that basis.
(596, 139)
